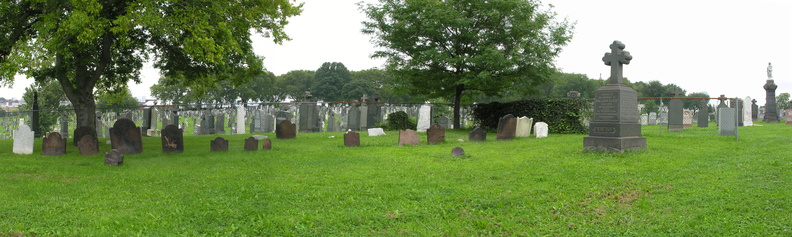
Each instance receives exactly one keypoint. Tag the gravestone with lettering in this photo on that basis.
(286, 130)
(435, 134)
(53, 144)
(408, 137)
(172, 139)
(251, 144)
(207, 123)
(771, 109)
(88, 145)
(351, 139)
(477, 135)
(114, 158)
(615, 126)
(507, 126)
(541, 129)
(703, 114)
(523, 128)
(23, 140)
(218, 144)
(126, 137)
(424, 117)
(675, 113)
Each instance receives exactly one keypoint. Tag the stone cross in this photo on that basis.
(616, 58)
(676, 92)
(364, 98)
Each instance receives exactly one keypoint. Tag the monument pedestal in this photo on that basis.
(614, 144)
(771, 110)
(615, 126)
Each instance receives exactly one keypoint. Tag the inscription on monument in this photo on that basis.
(606, 106)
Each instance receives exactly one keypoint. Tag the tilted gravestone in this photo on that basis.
(126, 137)
(23, 140)
(351, 139)
(172, 139)
(507, 126)
(286, 130)
(477, 135)
(675, 113)
(53, 145)
(114, 158)
(615, 126)
(457, 151)
(218, 144)
(523, 128)
(88, 145)
(435, 134)
(267, 145)
(251, 144)
(82, 131)
(408, 137)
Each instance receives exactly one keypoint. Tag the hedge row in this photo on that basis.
(562, 115)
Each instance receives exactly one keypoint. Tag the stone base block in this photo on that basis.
(614, 144)
(675, 127)
(153, 133)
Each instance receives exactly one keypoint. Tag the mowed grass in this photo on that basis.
(685, 184)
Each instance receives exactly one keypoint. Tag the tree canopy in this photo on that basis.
(91, 43)
(443, 48)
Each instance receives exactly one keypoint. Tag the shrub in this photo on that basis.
(399, 121)
(561, 115)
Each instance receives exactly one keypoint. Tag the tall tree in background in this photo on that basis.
(83, 44)
(330, 80)
(443, 48)
(294, 83)
(50, 96)
(782, 101)
(117, 100)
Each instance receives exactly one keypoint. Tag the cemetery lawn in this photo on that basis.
(687, 183)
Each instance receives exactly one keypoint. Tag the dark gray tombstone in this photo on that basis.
(615, 126)
(737, 105)
(507, 127)
(114, 158)
(457, 152)
(146, 125)
(282, 115)
(435, 134)
(53, 145)
(477, 135)
(444, 122)
(64, 130)
(219, 125)
(88, 145)
(771, 109)
(267, 145)
(726, 124)
(99, 126)
(675, 112)
(353, 117)
(703, 114)
(82, 131)
(409, 137)
(351, 139)
(208, 123)
(374, 115)
(251, 144)
(286, 130)
(126, 137)
(331, 122)
(172, 139)
(309, 114)
(754, 110)
(218, 144)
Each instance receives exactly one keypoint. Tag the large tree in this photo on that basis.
(103, 43)
(444, 48)
(329, 80)
(294, 83)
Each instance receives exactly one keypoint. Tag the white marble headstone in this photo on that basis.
(240, 119)
(540, 129)
(524, 124)
(747, 121)
(373, 132)
(424, 118)
(23, 140)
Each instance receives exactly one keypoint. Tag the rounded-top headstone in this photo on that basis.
(457, 151)
(114, 158)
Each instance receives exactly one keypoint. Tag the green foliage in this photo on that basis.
(782, 101)
(294, 83)
(330, 80)
(116, 101)
(561, 115)
(399, 120)
(442, 48)
(50, 96)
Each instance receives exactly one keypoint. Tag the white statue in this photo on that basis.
(769, 71)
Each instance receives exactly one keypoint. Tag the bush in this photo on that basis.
(561, 115)
(399, 121)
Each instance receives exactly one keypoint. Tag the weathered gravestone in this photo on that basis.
(240, 119)
(64, 129)
(88, 145)
(172, 139)
(687, 119)
(23, 140)
(218, 144)
(477, 135)
(353, 117)
(408, 137)
(286, 130)
(675, 114)
(251, 144)
(373, 132)
(507, 126)
(351, 139)
(219, 124)
(771, 109)
(541, 129)
(457, 151)
(114, 158)
(653, 118)
(424, 118)
(309, 115)
(523, 128)
(788, 117)
(364, 113)
(703, 114)
(82, 131)
(615, 126)
(435, 134)
(747, 121)
(754, 110)
(644, 119)
(267, 145)
(53, 145)
(125, 137)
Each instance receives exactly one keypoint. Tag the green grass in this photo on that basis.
(687, 183)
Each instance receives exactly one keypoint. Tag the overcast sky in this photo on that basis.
(718, 47)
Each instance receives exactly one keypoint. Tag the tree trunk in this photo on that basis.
(85, 108)
(457, 105)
